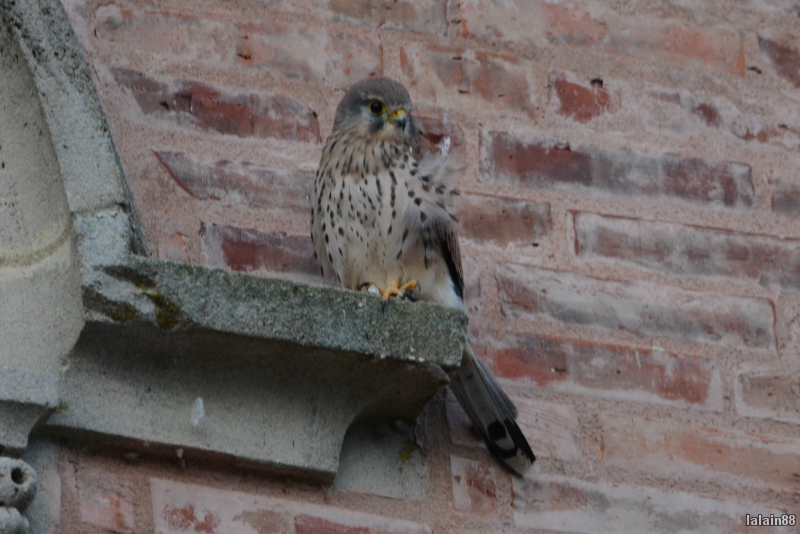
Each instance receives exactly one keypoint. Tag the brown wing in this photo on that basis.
(443, 226)
(448, 245)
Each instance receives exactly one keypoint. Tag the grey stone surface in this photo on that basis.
(86, 153)
(39, 273)
(283, 368)
(18, 483)
(26, 400)
(382, 460)
(44, 513)
(12, 522)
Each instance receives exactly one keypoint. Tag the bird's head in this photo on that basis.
(377, 109)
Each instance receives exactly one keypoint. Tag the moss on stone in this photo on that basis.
(407, 452)
(119, 312)
(167, 313)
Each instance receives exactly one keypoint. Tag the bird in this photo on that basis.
(382, 220)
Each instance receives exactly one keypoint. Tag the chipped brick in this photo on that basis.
(502, 221)
(649, 375)
(688, 250)
(678, 449)
(784, 56)
(189, 103)
(578, 101)
(556, 503)
(474, 487)
(238, 182)
(643, 309)
(250, 250)
(586, 169)
(769, 395)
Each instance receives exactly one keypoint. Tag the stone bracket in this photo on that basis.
(18, 486)
(283, 368)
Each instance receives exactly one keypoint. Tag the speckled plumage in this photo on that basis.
(382, 213)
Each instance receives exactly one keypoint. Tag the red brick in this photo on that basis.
(420, 16)
(678, 449)
(474, 487)
(649, 375)
(211, 109)
(769, 395)
(786, 199)
(174, 249)
(706, 111)
(185, 519)
(108, 510)
(308, 54)
(562, 504)
(250, 250)
(436, 130)
(688, 250)
(304, 524)
(773, 125)
(581, 102)
(105, 500)
(643, 309)
(785, 55)
(238, 182)
(535, 23)
(585, 169)
(180, 508)
(501, 221)
(497, 80)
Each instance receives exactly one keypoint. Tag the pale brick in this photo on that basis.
(179, 508)
(494, 81)
(300, 52)
(539, 22)
(673, 449)
(474, 487)
(308, 54)
(553, 430)
(502, 221)
(562, 504)
(769, 395)
(644, 309)
(688, 250)
(420, 16)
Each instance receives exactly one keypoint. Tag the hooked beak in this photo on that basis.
(399, 118)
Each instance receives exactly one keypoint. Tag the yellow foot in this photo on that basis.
(393, 290)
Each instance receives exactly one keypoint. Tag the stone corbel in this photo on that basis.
(18, 485)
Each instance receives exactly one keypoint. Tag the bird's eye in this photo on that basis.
(376, 107)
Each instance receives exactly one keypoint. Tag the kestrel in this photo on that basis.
(382, 217)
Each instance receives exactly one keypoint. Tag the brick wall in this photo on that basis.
(630, 224)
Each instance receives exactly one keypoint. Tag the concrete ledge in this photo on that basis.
(26, 400)
(283, 369)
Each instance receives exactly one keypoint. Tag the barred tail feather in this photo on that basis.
(492, 413)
